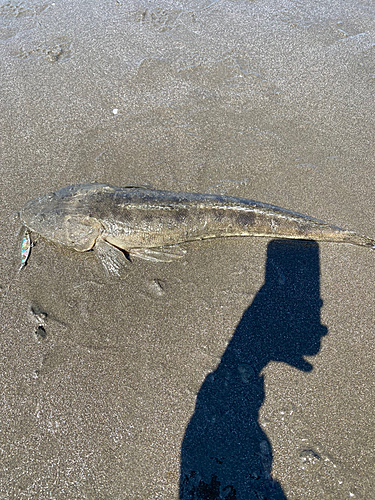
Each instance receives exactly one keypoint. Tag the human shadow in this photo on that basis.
(225, 455)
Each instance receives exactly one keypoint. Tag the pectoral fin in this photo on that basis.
(158, 254)
(112, 259)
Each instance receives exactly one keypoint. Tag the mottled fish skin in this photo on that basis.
(136, 218)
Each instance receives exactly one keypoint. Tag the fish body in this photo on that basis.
(149, 223)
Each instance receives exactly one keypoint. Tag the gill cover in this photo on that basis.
(61, 219)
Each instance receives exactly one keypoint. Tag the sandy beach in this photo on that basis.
(245, 370)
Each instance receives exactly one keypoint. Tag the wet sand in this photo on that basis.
(247, 368)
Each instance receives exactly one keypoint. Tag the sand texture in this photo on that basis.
(245, 370)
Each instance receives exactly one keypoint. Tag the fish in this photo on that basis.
(119, 223)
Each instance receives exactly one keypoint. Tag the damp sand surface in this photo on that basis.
(245, 368)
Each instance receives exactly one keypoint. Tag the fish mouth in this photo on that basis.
(26, 220)
(15, 217)
(21, 217)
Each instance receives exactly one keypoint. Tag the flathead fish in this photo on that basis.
(117, 222)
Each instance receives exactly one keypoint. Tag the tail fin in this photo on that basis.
(358, 239)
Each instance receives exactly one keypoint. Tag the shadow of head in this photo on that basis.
(283, 322)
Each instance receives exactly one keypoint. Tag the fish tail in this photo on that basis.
(358, 239)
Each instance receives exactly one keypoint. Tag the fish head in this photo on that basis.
(61, 219)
